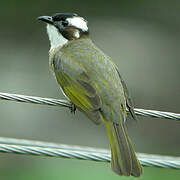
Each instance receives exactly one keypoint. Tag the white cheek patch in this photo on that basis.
(78, 22)
(56, 39)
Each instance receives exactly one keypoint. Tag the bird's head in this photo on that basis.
(64, 27)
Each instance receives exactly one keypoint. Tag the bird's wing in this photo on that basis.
(129, 102)
(77, 85)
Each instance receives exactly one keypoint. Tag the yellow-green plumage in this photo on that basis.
(91, 81)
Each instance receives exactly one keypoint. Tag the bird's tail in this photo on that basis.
(124, 161)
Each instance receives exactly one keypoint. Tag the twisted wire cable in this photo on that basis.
(65, 103)
(36, 148)
(25, 142)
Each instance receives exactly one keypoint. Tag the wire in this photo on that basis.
(25, 142)
(65, 103)
(38, 148)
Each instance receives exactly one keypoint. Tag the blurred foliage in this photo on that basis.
(143, 39)
(75, 169)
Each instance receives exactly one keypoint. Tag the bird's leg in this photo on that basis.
(73, 108)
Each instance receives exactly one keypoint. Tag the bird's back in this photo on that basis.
(83, 54)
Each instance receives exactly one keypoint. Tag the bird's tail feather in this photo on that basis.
(123, 157)
(137, 169)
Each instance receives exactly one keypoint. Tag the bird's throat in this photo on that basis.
(55, 38)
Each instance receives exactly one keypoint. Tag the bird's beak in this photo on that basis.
(47, 19)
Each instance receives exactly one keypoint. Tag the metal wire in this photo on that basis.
(25, 142)
(65, 103)
(37, 148)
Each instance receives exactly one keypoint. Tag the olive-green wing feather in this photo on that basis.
(129, 102)
(76, 84)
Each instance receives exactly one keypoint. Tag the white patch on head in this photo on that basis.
(56, 39)
(78, 22)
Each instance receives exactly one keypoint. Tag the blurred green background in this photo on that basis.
(142, 37)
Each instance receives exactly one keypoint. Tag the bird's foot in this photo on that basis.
(73, 108)
(98, 109)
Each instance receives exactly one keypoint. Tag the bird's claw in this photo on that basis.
(73, 108)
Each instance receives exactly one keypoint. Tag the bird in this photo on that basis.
(92, 83)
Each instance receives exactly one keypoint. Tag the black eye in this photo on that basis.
(65, 23)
